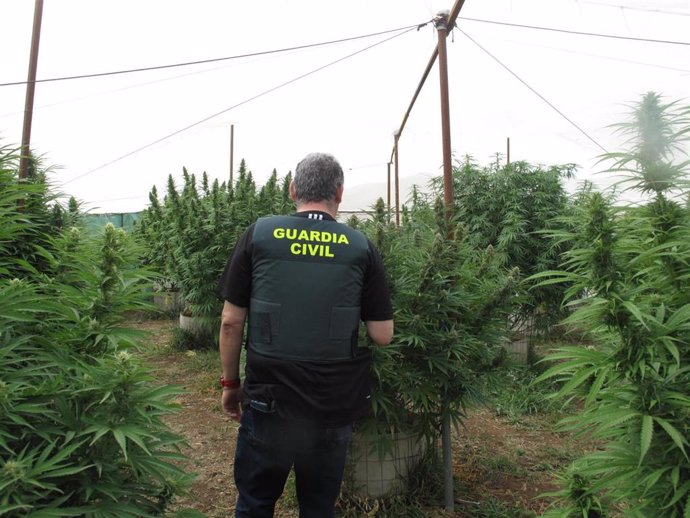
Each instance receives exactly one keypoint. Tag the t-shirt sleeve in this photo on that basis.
(376, 299)
(235, 284)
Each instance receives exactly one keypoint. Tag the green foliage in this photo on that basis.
(509, 207)
(272, 199)
(451, 302)
(582, 500)
(354, 222)
(81, 429)
(35, 222)
(510, 390)
(183, 339)
(656, 133)
(189, 237)
(152, 230)
(628, 273)
(71, 217)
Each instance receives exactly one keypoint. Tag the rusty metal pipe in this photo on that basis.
(30, 90)
(441, 23)
(397, 182)
(388, 190)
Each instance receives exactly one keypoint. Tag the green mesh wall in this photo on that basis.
(124, 220)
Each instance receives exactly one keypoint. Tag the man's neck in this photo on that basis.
(320, 207)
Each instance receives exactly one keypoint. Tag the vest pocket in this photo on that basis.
(343, 331)
(264, 320)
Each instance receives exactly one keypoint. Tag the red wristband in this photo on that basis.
(229, 383)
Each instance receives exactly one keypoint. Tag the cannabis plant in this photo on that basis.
(81, 421)
(34, 215)
(451, 302)
(510, 207)
(153, 231)
(628, 274)
(189, 237)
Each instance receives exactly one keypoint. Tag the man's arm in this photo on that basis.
(231, 329)
(377, 311)
(380, 331)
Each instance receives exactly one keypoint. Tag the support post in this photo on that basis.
(232, 150)
(30, 89)
(441, 24)
(508, 151)
(397, 181)
(388, 191)
(447, 447)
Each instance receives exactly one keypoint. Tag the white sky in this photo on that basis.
(350, 109)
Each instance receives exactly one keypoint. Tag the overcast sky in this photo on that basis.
(344, 98)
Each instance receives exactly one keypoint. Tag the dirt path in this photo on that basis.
(494, 458)
(210, 435)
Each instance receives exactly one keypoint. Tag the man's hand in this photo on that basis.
(231, 402)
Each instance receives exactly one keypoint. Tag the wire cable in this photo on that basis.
(214, 60)
(578, 33)
(116, 90)
(125, 88)
(534, 91)
(591, 55)
(625, 7)
(265, 92)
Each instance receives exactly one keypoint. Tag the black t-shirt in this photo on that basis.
(328, 393)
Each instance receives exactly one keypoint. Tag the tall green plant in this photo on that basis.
(197, 264)
(629, 274)
(268, 200)
(35, 220)
(153, 231)
(189, 237)
(81, 429)
(510, 207)
(451, 302)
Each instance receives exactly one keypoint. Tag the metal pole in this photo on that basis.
(388, 189)
(508, 151)
(455, 11)
(397, 182)
(232, 149)
(30, 89)
(429, 66)
(447, 446)
(441, 23)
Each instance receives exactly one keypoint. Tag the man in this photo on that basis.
(306, 282)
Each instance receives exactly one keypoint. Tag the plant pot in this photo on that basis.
(194, 325)
(167, 301)
(373, 475)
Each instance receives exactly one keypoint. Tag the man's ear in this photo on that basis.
(293, 193)
(339, 194)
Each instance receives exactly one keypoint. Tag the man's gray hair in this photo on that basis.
(317, 178)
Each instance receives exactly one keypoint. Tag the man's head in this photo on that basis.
(318, 179)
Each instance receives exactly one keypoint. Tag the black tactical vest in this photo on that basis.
(307, 278)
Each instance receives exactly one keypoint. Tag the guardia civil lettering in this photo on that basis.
(309, 249)
(294, 234)
(315, 243)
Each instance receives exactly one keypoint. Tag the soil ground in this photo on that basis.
(501, 465)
